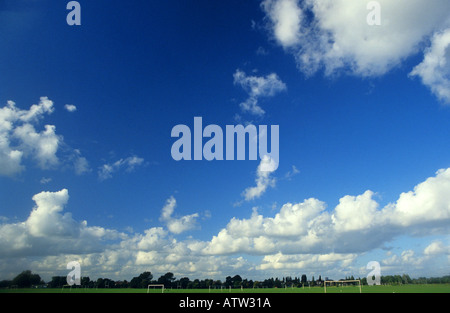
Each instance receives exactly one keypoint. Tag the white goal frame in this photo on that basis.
(157, 285)
(341, 281)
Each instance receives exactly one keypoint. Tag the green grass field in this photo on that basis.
(429, 288)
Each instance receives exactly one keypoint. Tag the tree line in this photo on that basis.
(27, 279)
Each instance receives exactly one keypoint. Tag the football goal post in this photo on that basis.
(155, 286)
(343, 283)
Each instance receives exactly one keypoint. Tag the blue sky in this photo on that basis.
(86, 173)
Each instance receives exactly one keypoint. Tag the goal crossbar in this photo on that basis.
(155, 285)
(342, 282)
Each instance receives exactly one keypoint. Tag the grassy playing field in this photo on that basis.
(429, 288)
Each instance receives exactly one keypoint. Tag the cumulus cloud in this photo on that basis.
(46, 219)
(437, 248)
(356, 224)
(20, 140)
(300, 236)
(308, 262)
(286, 17)
(257, 87)
(429, 202)
(177, 225)
(263, 179)
(129, 164)
(334, 35)
(41, 146)
(49, 230)
(434, 70)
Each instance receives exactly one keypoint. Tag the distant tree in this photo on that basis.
(26, 279)
(304, 279)
(166, 279)
(269, 283)
(85, 281)
(57, 282)
(141, 281)
(406, 279)
(236, 281)
(228, 281)
(100, 283)
(146, 279)
(183, 282)
(135, 282)
(5, 283)
(195, 284)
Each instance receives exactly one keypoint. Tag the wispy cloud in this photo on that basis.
(177, 225)
(128, 164)
(70, 107)
(263, 179)
(257, 87)
(293, 172)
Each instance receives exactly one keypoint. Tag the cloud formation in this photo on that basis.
(356, 224)
(263, 179)
(129, 164)
(177, 225)
(70, 107)
(300, 236)
(434, 70)
(49, 231)
(19, 139)
(257, 87)
(334, 35)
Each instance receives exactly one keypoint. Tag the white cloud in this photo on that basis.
(257, 87)
(356, 224)
(10, 159)
(177, 225)
(263, 179)
(436, 248)
(336, 37)
(19, 139)
(45, 180)
(154, 239)
(80, 163)
(428, 203)
(46, 220)
(41, 146)
(302, 236)
(70, 107)
(286, 17)
(292, 172)
(355, 213)
(306, 262)
(50, 231)
(435, 67)
(129, 164)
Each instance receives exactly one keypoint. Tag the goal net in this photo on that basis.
(345, 286)
(155, 287)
